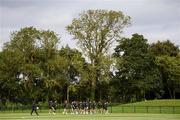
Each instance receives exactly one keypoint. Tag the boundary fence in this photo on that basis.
(146, 109)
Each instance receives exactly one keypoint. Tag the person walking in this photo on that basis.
(54, 105)
(34, 108)
(65, 107)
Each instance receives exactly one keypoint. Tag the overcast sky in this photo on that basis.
(155, 19)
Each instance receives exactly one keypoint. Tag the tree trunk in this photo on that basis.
(170, 93)
(93, 89)
(67, 93)
(174, 94)
(100, 95)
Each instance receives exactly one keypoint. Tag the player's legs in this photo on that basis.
(65, 111)
(36, 112)
(32, 111)
(53, 110)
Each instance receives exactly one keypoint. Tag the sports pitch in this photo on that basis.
(113, 116)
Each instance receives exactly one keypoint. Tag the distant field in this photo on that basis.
(114, 116)
(152, 106)
(175, 102)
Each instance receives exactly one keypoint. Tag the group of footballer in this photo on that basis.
(86, 107)
(76, 107)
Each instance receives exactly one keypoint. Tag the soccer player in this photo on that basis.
(54, 105)
(94, 107)
(72, 107)
(51, 107)
(34, 108)
(99, 105)
(75, 107)
(80, 108)
(89, 107)
(83, 107)
(86, 104)
(65, 107)
(105, 107)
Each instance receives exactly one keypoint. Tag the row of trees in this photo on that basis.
(146, 70)
(33, 66)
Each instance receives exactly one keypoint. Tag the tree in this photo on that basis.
(51, 63)
(164, 48)
(38, 50)
(73, 70)
(167, 59)
(10, 63)
(136, 72)
(23, 44)
(170, 67)
(96, 30)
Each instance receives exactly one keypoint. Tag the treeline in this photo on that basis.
(33, 66)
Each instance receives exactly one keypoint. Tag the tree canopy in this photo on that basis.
(33, 66)
(95, 31)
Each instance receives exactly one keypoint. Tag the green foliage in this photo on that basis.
(32, 65)
(170, 67)
(136, 71)
(10, 64)
(164, 48)
(167, 59)
(95, 31)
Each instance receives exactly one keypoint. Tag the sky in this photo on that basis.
(154, 19)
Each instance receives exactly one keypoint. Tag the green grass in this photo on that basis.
(175, 102)
(114, 116)
(152, 106)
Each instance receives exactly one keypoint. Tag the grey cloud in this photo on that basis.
(27, 3)
(156, 19)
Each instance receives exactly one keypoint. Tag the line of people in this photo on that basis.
(86, 107)
(76, 107)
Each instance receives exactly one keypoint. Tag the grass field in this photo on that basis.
(151, 106)
(114, 116)
(170, 102)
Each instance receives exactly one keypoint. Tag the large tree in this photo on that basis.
(167, 59)
(170, 67)
(95, 31)
(136, 72)
(38, 52)
(73, 71)
(22, 45)
(10, 63)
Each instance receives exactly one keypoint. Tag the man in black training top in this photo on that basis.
(89, 107)
(99, 106)
(65, 107)
(34, 108)
(54, 105)
(105, 107)
(94, 107)
(72, 107)
(81, 107)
